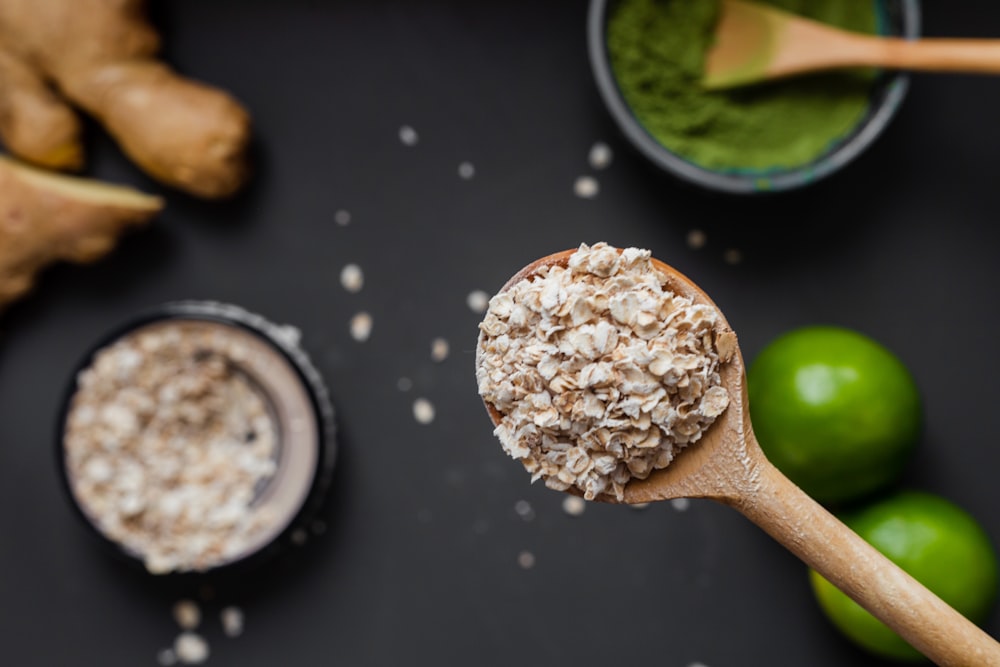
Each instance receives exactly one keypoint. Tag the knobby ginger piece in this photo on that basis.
(102, 56)
(46, 217)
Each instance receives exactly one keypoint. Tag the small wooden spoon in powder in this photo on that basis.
(727, 465)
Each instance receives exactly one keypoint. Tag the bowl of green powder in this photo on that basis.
(648, 58)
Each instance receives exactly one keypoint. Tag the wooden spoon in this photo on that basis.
(755, 43)
(727, 465)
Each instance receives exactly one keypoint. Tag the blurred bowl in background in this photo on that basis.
(895, 17)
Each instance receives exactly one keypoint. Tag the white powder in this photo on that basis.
(524, 510)
(526, 560)
(342, 218)
(466, 171)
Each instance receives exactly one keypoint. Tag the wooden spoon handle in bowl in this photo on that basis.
(809, 531)
(980, 56)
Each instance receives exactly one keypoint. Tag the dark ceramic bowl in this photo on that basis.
(897, 17)
(296, 396)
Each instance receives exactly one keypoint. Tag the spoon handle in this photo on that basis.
(809, 531)
(980, 56)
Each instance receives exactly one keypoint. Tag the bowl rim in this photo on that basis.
(283, 340)
(826, 164)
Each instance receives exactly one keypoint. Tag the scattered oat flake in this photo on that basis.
(696, 239)
(639, 506)
(600, 155)
(342, 217)
(574, 505)
(526, 560)
(586, 187)
(232, 621)
(299, 537)
(466, 171)
(166, 657)
(478, 301)
(187, 614)
(524, 510)
(732, 256)
(352, 278)
(423, 411)
(361, 327)
(190, 648)
(439, 349)
(680, 504)
(404, 384)
(408, 136)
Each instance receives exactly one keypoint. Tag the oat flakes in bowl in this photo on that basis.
(195, 437)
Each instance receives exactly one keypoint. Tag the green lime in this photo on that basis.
(834, 410)
(936, 542)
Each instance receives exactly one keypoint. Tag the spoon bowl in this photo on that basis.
(727, 465)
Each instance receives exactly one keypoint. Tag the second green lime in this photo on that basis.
(834, 410)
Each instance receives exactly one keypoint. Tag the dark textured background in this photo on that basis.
(419, 562)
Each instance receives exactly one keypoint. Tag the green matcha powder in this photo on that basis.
(657, 50)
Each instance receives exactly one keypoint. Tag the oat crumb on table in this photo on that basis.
(361, 327)
(586, 187)
(478, 301)
(423, 411)
(352, 278)
(574, 505)
(439, 350)
(187, 614)
(408, 136)
(191, 648)
(600, 155)
(232, 621)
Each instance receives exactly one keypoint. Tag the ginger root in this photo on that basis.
(47, 217)
(101, 56)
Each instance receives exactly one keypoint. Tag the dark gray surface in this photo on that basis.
(419, 562)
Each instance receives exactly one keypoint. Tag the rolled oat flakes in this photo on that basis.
(600, 373)
(193, 439)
